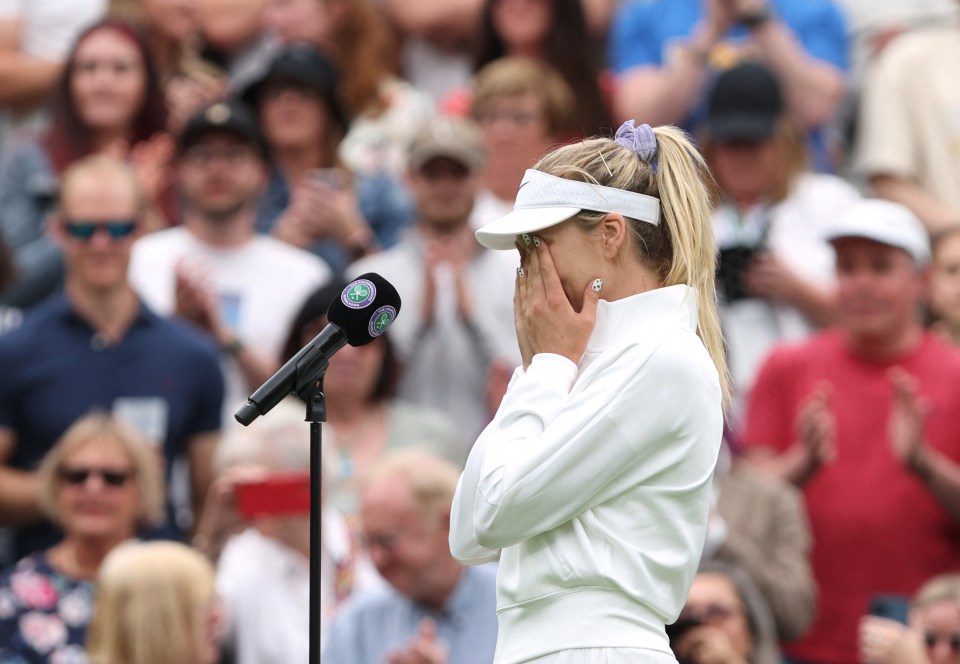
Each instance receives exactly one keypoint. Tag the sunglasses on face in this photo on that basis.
(85, 230)
(79, 476)
(932, 639)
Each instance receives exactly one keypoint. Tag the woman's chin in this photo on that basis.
(94, 527)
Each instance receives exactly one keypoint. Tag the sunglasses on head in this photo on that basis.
(85, 230)
(79, 476)
(932, 639)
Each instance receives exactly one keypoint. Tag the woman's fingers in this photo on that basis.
(516, 299)
(521, 289)
(548, 273)
(534, 277)
(549, 321)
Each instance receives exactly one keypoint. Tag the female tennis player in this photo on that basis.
(592, 483)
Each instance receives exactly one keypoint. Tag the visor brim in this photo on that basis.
(502, 233)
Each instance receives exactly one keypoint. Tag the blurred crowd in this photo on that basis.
(186, 185)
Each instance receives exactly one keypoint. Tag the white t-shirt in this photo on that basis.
(261, 285)
(266, 587)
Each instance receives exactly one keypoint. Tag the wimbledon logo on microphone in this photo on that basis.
(359, 294)
(381, 320)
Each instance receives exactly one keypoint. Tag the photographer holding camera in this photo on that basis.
(724, 621)
(776, 276)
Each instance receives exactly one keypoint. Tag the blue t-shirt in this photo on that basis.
(645, 30)
(163, 377)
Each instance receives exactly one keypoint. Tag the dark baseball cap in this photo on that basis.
(745, 103)
(223, 116)
(303, 66)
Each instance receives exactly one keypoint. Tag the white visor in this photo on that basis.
(545, 200)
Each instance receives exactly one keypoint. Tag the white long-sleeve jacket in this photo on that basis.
(594, 480)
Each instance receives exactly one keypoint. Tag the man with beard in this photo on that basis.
(214, 270)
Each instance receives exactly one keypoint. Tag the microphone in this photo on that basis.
(364, 310)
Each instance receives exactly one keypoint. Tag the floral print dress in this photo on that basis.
(43, 614)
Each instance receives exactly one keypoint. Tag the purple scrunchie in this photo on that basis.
(639, 140)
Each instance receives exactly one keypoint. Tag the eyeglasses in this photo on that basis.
(932, 639)
(117, 229)
(79, 476)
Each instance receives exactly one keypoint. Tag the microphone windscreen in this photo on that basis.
(365, 308)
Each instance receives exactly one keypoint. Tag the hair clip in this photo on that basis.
(600, 152)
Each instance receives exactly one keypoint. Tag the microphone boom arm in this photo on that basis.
(299, 374)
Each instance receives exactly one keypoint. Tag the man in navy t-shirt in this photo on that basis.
(95, 345)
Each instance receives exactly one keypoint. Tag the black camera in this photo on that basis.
(732, 264)
(683, 625)
(678, 630)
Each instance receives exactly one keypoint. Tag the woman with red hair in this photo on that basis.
(108, 99)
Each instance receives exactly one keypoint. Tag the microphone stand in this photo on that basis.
(309, 387)
(316, 413)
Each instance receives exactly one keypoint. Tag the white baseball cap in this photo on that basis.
(544, 200)
(885, 222)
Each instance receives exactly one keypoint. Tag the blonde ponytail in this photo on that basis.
(681, 249)
(682, 180)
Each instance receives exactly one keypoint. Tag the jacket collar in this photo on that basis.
(638, 316)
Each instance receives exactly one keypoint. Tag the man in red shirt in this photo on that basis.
(865, 418)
